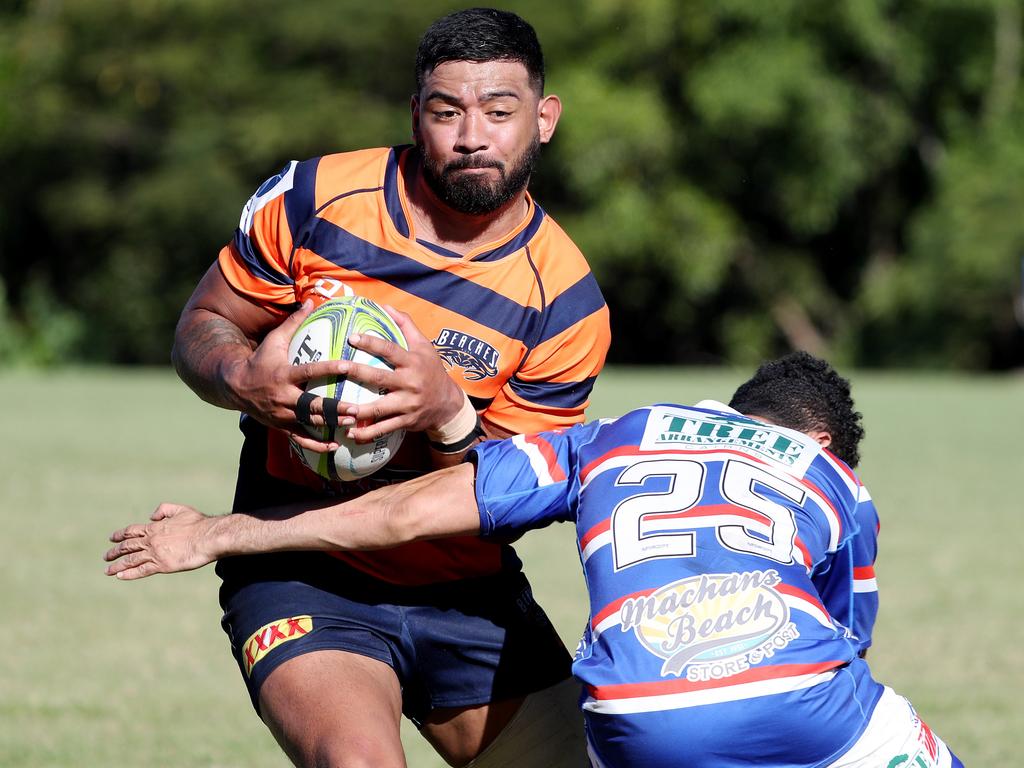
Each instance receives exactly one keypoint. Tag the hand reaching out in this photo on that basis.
(176, 539)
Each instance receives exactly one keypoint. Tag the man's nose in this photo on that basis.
(472, 134)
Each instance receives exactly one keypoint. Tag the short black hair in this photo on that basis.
(480, 34)
(803, 392)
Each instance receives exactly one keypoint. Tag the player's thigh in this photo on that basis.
(544, 730)
(334, 708)
(459, 734)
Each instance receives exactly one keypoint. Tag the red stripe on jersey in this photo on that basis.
(603, 527)
(865, 572)
(789, 589)
(804, 551)
(615, 605)
(824, 497)
(712, 510)
(633, 450)
(549, 455)
(845, 469)
(665, 687)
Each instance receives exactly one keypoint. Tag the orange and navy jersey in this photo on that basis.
(519, 323)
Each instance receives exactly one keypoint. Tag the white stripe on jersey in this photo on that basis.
(596, 543)
(273, 187)
(701, 698)
(613, 620)
(865, 585)
(842, 471)
(834, 525)
(806, 606)
(538, 463)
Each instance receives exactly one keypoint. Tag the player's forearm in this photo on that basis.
(207, 348)
(433, 506)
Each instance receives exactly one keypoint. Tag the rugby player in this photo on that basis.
(729, 560)
(507, 330)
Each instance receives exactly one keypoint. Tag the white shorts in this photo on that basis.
(897, 738)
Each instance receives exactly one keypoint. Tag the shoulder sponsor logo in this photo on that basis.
(273, 187)
(713, 625)
(668, 428)
(270, 636)
(477, 358)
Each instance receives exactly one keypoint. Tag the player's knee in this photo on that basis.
(354, 752)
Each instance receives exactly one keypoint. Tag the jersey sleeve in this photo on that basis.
(552, 387)
(257, 261)
(525, 482)
(864, 551)
(846, 582)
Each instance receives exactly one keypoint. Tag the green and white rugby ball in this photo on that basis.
(324, 336)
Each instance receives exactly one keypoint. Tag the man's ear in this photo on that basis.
(414, 109)
(549, 109)
(823, 438)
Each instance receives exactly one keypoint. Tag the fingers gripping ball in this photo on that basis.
(324, 336)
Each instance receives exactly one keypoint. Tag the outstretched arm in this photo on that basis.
(180, 538)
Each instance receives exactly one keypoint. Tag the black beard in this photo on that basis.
(475, 195)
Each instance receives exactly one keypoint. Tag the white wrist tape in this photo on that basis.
(459, 432)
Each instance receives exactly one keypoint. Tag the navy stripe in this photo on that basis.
(461, 296)
(519, 241)
(391, 197)
(301, 198)
(569, 394)
(568, 308)
(256, 264)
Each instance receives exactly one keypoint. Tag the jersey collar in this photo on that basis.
(398, 210)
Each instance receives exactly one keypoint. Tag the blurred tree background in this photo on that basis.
(843, 176)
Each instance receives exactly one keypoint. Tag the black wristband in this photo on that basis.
(460, 445)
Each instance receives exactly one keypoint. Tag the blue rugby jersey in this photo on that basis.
(724, 560)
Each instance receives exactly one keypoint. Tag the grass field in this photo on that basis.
(94, 672)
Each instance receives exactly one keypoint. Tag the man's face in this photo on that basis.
(479, 127)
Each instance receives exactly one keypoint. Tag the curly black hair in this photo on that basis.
(805, 393)
(481, 34)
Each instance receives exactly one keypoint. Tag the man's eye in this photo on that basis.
(499, 113)
(445, 114)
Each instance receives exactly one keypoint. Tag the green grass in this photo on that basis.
(95, 672)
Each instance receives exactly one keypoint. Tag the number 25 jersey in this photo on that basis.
(728, 564)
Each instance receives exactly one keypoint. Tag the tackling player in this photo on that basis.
(728, 558)
(507, 330)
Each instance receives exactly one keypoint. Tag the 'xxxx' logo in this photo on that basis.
(271, 635)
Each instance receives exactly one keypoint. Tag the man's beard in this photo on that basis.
(475, 194)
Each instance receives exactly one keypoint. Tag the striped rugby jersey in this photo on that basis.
(519, 323)
(729, 570)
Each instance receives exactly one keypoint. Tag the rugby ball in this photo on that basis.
(324, 336)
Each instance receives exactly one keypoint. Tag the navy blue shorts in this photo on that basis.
(452, 644)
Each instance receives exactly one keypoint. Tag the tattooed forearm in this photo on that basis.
(203, 342)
